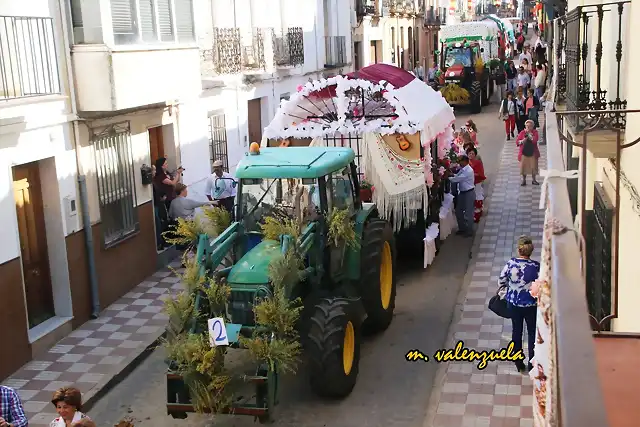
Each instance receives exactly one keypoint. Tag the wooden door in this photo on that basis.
(156, 144)
(33, 243)
(255, 121)
(373, 57)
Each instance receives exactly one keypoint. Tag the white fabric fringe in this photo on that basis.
(398, 193)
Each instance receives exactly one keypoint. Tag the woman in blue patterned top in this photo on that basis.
(517, 276)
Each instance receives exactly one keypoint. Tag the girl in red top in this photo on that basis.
(473, 131)
(478, 171)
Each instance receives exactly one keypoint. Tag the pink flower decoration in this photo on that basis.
(299, 88)
(400, 167)
(356, 112)
(373, 188)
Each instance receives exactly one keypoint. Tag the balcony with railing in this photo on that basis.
(403, 8)
(336, 51)
(235, 50)
(367, 8)
(288, 47)
(592, 60)
(432, 17)
(593, 214)
(28, 58)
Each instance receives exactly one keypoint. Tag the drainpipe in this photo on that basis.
(84, 203)
(88, 237)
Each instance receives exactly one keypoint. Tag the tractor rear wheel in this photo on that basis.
(377, 286)
(476, 97)
(333, 347)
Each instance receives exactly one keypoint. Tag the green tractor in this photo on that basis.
(344, 290)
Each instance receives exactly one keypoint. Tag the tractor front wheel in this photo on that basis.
(377, 286)
(476, 97)
(333, 347)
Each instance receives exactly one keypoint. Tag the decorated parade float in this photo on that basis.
(466, 57)
(506, 33)
(392, 121)
(306, 266)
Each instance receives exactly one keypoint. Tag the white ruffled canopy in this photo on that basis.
(343, 105)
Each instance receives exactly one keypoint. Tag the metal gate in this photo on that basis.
(599, 243)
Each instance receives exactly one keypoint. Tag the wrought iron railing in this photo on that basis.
(572, 377)
(252, 48)
(288, 47)
(366, 8)
(432, 17)
(28, 57)
(403, 7)
(234, 50)
(336, 51)
(589, 57)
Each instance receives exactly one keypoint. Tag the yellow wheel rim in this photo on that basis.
(386, 276)
(349, 348)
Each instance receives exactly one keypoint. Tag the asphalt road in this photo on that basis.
(390, 391)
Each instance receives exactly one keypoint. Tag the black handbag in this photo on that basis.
(499, 305)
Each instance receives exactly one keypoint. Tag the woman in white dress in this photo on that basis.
(68, 403)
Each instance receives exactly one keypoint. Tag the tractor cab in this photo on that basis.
(461, 62)
(300, 183)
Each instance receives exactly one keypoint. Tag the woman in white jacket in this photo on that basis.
(68, 403)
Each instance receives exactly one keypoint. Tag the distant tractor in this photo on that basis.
(467, 49)
(466, 80)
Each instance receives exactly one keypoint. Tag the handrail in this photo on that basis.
(579, 391)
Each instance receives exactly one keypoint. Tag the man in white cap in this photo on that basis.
(221, 187)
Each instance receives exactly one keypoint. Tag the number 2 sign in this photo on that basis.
(217, 332)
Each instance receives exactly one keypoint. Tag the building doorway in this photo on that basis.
(254, 120)
(33, 243)
(156, 143)
(375, 52)
(161, 215)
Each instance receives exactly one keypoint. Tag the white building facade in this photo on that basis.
(399, 32)
(254, 53)
(92, 92)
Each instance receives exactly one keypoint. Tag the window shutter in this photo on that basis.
(165, 21)
(123, 17)
(184, 20)
(76, 14)
(147, 19)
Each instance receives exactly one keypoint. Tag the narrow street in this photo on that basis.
(390, 391)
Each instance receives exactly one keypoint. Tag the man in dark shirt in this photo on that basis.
(512, 75)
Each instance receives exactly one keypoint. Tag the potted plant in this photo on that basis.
(366, 191)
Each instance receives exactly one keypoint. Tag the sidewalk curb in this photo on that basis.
(124, 369)
(441, 374)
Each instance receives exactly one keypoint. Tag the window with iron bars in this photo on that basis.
(116, 183)
(353, 141)
(218, 140)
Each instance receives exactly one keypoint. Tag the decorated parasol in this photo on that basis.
(392, 111)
